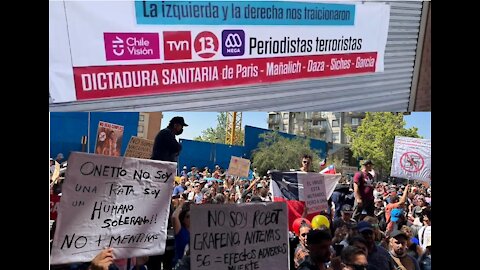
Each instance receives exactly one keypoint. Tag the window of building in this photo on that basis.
(323, 124)
(335, 137)
(334, 123)
(355, 121)
(316, 122)
(140, 129)
(285, 116)
(141, 118)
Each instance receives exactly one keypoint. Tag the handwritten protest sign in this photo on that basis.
(239, 167)
(139, 148)
(239, 236)
(112, 202)
(314, 193)
(109, 139)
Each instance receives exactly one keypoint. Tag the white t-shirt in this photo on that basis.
(425, 237)
(191, 195)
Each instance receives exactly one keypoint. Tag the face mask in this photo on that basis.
(180, 132)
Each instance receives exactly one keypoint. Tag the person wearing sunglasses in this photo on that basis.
(354, 258)
(378, 256)
(306, 164)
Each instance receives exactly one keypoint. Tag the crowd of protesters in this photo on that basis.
(395, 233)
(373, 225)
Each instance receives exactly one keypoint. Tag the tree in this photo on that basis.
(218, 134)
(280, 153)
(374, 138)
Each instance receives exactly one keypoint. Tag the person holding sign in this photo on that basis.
(103, 260)
(166, 147)
(307, 164)
(181, 228)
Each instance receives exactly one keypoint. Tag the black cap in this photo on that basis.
(368, 162)
(397, 233)
(178, 120)
(347, 208)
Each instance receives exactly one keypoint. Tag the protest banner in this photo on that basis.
(112, 202)
(239, 167)
(156, 47)
(411, 158)
(139, 148)
(239, 236)
(109, 139)
(314, 193)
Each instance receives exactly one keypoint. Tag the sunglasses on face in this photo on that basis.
(303, 234)
(306, 161)
(358, 267)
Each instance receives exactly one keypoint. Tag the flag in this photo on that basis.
(288, 187)
(323, 162)
(329, 170)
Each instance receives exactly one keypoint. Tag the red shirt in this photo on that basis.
(364, 181)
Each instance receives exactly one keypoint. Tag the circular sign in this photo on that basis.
(206, 44)
(102, 136)
(412, 162)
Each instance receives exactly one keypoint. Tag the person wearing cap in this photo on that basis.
(363, 190)
(413, 247)
(377, 255)
(184, 172)
(398, 251)
(395, 203)
(263, 193)
(166, 147)
(59, 158)
(345, 219)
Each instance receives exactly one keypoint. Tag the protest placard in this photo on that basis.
(239, 236)
(109, 139)
(139, 148)
(314, 193)
(239, 167)
(112, 202)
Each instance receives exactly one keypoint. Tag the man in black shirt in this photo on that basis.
(166, 147)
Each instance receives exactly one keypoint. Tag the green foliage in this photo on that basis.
(374, 138)
(218, 134)
(280, 153)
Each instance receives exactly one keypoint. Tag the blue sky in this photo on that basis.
(198, 121)
(421, 120)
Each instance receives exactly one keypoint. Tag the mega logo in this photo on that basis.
(177, 45)
(233, 42)
(131, 46)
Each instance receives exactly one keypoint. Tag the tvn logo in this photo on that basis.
(233, 42)
(177, 45)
